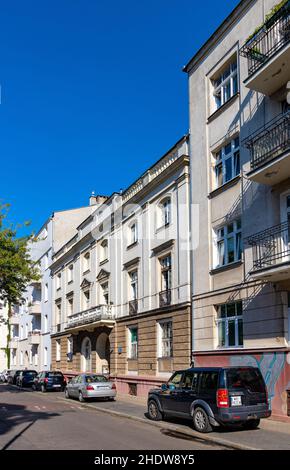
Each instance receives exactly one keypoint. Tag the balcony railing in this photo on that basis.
(34, 308)
(133, 307)
(270, 141)
(271, 247)
(268, 40)
(165, 298)
(34, 337)
(102, 312)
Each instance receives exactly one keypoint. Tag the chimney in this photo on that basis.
(97, 199)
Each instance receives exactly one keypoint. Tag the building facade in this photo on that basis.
(3, 335)
(121, 286)
(240, 165)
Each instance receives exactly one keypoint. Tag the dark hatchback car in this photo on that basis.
(26, 378)
(212, 397)
(49, 380)
(12, 377)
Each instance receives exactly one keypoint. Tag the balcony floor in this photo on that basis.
(90, 326)
(272, 172)
(274, 273)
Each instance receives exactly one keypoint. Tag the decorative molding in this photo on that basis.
(103, 274)
(131, 263)
(163, 246)
(85, 284)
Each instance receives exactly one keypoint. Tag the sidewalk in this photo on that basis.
(272, 435)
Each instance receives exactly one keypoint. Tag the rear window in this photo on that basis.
(250, 379)
(54, 374)
(29, 373)
(96, 378)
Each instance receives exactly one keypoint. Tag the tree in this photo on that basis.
(17, 269)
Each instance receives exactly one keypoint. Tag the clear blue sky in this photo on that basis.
(92, 94)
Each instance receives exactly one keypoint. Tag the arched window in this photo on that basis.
(86, 355)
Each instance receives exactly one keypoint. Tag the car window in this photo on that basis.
(209, 381)
(96, 378)
(190, 380)
(175, 379)
(79, 379)
(250, 379)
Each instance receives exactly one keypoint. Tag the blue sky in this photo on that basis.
(92, 94)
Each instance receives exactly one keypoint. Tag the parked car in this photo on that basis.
(49, 380)
(212, 397)
(86, 386)
(12, 376)
(26, 378)
(4, 375)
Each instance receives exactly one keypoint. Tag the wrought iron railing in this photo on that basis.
(133, 307)
(269, 141)
(165, 298)
(268, 40)
(271, 247)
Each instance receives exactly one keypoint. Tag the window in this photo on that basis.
(46, 293)
(21, 358)
(165, 264)
(230, 325)
(166, 339)
(58, 314)
(86, 260)
(225, 85)
(105, 293)
(190, 380)
(133, 345)
(58, 281)
(133, 235)
(30, 357)
(45, 323)
(70, 272)
(229, 243)
(45, 357)
(227, 164)
(58, 352)
(175, 379)
(134, 285)
(70, 306)
(86, 299)
(104, 250)
(208, 382)
(69, 348)
(166, 212)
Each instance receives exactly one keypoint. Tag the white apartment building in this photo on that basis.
(121, 284)
(3, 335)
(240, 166)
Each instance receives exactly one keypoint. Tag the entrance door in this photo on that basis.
(103, 354)
(86, 355)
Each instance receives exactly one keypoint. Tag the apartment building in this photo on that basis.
(121, 285)
(3, 334)
(30, 345)
(240, 166)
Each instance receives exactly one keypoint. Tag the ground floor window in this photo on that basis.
(230, 325)
(133, 343)
(165, 339)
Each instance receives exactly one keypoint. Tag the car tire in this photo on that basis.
(153, 411)
(201, 421)
(251, 424)
(66, 394)
(43, 389)
(81, 397)
(33, 388)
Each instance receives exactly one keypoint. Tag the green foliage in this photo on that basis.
(268, 17)
(17, 270)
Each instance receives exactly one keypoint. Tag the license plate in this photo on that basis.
(56, 386)
(236, 401)
(107, 388)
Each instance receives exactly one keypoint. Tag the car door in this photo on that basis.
(170, 396)
(208, 387)
(187, 392)
(71, 386)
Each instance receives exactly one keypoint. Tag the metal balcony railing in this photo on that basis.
(133, 307)
(271, 247)
(268, 40)
(269, 141)
(165, 298)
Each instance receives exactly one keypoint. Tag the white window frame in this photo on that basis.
(165, 342)
(223, 236)
(166, 211)
(133, 345)
(105, 291)
(70, 273)
(225, 321)
(86, 299)
(133, 275)
(166, 272)
(133, 233)
(226, 77)
(70, 306)
(104, 250)
(86, 262)
(58, 281)
(229, 154)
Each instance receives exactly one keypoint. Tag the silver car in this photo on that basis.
(86, 386)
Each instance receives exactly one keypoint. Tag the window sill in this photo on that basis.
(230, 348)
(227, 267)
(162, 227)
(222, 108)
(224, 187)
(104, 261)
(132, 245)
(87, 271)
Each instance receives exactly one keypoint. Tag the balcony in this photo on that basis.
(13, 343)
(133, 307)
(34, 308)
(164, 298)
(91, 318)
(269, 147)
(271, 253)
(268, 54)
(34, 337)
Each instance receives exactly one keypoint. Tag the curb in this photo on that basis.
(170, 427)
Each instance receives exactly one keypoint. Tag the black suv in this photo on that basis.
(212, 396)
(49, 380)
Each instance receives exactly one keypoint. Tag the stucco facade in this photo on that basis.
(241, 185)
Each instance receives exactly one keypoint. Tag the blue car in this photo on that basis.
(26, 378)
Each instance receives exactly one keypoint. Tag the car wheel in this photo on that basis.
(66, 394)
(201, 421)
(33, 388)
(153, 411)
(81, 397)
(43, 389)
(251, 424)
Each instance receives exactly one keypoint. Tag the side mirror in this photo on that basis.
(172, 387)
(164, 387)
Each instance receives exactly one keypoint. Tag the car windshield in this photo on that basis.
(250, 379)
(96, 378)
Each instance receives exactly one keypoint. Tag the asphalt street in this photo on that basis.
(36, 421)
